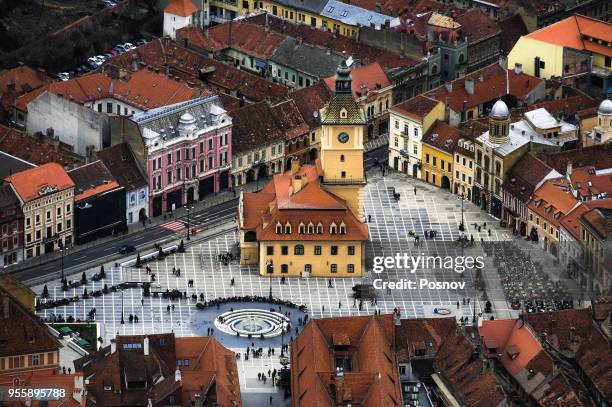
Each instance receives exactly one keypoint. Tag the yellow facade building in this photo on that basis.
(438, 145)
(309, 221)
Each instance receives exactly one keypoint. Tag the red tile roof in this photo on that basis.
(17, 143)
(512, 28)
(441, 136)
(587, 183)
(183, 8)
(574, 32)
(417, 107)
(248, 38)
(422, 334)
(22, 332)
(189, 65)
(598, 156)
(310, 101)
(373, 380)
(489, 84)
(365, 79)
(18, 81)
(29, 183)
(602, 307)
(275, 204)
(522, 179)
(600, 220)
(552, 200)
(476, 25)
(341, 44)
(92, 179)
(587, 346)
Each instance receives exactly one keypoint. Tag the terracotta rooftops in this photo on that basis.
(297, 198)
(574, 333)
(163, 55)
(489, 84)
(183, 8)
(310, 101)
(598, 156)
(476, 25)
(249, 38)
(22, 332)
(414, 336)
(441, 136)
(552, 200)
(143, 89)
(578, 32)
(33, 183)
(589, 182)
(365, 79)
(463, 372)
(120, 161)
(525, 175)
(369, 375)
(571, 221)
(417, 107)
(31, 149)
(600, 220)
(92, 179)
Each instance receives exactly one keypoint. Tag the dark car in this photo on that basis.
(125, 249)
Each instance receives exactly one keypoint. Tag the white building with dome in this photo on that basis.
(602, 131)
(188, 152)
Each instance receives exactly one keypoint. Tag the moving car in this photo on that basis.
(126, 249)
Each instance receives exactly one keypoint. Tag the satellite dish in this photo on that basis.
(349, 61)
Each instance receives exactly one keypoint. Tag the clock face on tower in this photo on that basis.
(343, 137)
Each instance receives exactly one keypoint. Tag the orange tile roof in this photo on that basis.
(183, 8)
(312, 204)
(249, 38)
(575, 31)
(552, 198)
(30, 182)
(587, 182)
(417, 107)
(92, 179)
(489, 84)
(365, 79)
(442, 136)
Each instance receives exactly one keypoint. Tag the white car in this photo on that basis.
(95, 61)
(63, 76)
(128, 46)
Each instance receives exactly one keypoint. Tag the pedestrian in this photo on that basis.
(457, 304)
(168, 309)
(415, 190)
(142, 302)
(489, 232)
(271, 398)
(339, 304)
(369, 218)
(269, 372)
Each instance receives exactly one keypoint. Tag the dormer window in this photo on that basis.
(310, 228)
(288, 228)
(333, 228)
(342, 229)
(301, 228)
(319, 228)
(343, 113)
(279, 228)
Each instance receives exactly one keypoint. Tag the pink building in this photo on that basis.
(188, 150)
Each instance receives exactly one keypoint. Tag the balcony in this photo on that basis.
(345, 181)
(404, 153)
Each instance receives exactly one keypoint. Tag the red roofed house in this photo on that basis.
(99, 202)
(16, 82)
(178, 14)
(46, 196)
(373, 92)
(572, 49)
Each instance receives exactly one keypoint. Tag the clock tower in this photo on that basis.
(342, 127)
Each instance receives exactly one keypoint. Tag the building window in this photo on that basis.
(35, 360)
(351, 250)
(288, 228)
(284, 268)
(334, 268)
(317, 250)
(341, 157)
(350, 268)
(334, 250)
(270, 250)
(298, 250)
(319, 228)
(284, 250)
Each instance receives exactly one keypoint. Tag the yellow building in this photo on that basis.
(310, 220)
(226, 10)
(571, 49)
(463, 176)
(438, 145)
(19, 291)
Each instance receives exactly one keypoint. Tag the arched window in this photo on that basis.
(310, 228)
(279, 228)
(288, 228)
(341, 157)
(301, 228)
(342, 229)
(343, 113)
(319, 228)
(333, 228)
(298, 250)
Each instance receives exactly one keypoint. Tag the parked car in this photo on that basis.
(141, 41)
(94, 62)
(108, 3)
(128, 46)
(112, 51)
(126, 249)
(63, 76)
(120, 47)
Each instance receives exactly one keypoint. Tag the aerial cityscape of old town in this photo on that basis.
(306, 203)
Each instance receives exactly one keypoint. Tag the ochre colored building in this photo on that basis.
(310, 220)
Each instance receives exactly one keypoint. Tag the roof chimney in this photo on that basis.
(145, 346)
(518, 68)
(469, 86)
(449, 86)
(568, 170)
(41, 73)
(113, 346)
(177, 375)
(295, 165)
(297, 183)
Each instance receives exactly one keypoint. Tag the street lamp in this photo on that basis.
(188, 227)
(270, 270)
(462, 225)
